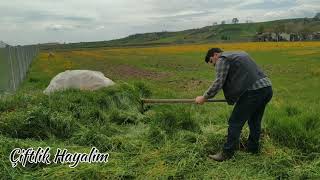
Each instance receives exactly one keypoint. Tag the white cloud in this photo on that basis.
(300, 10)
(60, 27)
(81, 20)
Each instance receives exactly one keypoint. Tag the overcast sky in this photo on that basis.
(39, 21)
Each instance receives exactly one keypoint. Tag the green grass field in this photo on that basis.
(164, 141)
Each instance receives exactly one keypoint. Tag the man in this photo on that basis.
(245, 85)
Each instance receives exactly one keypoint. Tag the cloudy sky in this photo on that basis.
(38, 21)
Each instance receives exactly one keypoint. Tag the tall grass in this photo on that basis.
(61, 114)
(296, 127)
(167, 139)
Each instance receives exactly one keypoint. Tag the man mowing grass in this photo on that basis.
(245, 85)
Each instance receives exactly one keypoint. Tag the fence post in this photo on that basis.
(13, 83)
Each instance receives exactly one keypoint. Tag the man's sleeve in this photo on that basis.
(222, 68)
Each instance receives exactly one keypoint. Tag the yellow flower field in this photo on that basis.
(250, 46)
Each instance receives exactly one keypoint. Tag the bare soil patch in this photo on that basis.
(134, 72)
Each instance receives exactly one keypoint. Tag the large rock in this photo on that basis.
(78, 79)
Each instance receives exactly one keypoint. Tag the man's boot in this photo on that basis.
(221, 156)
(253, 150)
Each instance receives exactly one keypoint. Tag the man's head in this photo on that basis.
(213, 55)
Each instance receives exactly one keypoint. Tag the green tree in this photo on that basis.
(317, 16)
(235, 21)
(305, 32)
(261, 29)
(279, 28)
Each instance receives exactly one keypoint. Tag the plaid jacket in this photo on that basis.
(222, 68)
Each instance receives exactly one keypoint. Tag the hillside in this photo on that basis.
(216, 33)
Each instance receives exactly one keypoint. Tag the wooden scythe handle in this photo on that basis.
(146, 101)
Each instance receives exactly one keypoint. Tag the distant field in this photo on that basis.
(168, 141)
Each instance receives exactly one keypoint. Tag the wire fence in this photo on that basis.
(14, 64)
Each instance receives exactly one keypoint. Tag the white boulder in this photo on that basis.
(78, 79)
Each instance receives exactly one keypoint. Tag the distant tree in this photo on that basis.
(235, 21)
(214, 23)
(260, 29)
(279, 28)
(305, 32)
(317, 16)
(225, 37)
(223, 22)
(305, 20)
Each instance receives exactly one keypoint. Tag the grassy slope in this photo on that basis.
(235, 33)
(165, 141)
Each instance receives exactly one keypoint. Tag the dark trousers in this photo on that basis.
(250, 107)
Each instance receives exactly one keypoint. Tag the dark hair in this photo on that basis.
(210, 53)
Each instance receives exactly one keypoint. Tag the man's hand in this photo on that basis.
(200, 99)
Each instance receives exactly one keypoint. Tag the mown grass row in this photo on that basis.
(165, 141)
(87, 119)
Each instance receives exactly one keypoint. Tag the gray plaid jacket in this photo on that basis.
(222, 68)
